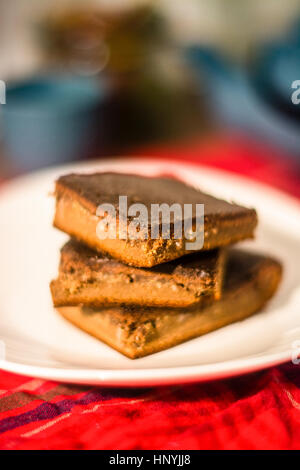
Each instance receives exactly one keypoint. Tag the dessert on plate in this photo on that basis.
(145, 294)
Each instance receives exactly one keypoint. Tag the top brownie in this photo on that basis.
(79, 195)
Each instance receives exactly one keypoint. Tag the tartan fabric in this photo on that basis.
(257, 411)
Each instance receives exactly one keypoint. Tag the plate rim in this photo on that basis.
(151, 377)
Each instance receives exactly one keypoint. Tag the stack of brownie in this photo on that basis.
(144, 295)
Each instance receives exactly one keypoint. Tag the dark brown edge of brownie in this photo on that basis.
(61, 190)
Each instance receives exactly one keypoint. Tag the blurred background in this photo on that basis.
(193, 79)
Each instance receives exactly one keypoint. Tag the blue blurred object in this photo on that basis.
(277, 67)
(254, 102)
(53, 119)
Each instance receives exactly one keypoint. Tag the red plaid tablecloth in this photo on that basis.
(257, 411)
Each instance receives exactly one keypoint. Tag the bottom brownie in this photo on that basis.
(250, 281)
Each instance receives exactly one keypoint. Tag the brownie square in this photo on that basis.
(79, 195)
(93, 279)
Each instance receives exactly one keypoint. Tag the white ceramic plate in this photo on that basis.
(36, 341)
